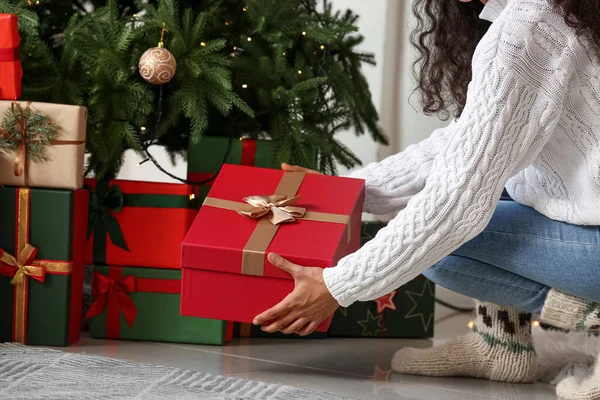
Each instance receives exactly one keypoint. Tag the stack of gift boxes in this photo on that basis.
(43, 210)
(164, 268)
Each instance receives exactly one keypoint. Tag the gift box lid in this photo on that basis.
(9, 37)
(218, 236)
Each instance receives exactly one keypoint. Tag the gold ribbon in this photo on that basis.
(20, 165)
(278, 209)
(26, 266)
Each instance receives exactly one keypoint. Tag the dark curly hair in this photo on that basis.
(446, 35)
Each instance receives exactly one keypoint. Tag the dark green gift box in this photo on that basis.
(206, 157)
(41, 290)
(143, 304)
(405, 313)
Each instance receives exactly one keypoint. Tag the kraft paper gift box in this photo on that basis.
(63, 156)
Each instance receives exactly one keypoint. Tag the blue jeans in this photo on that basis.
(519, 256)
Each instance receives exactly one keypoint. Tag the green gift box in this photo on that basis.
(143, 304)
(42, 246)
(407, 312)
(206, 157)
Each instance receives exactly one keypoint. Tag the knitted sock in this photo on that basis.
(581, 386)
(570, 312)
(499, 347)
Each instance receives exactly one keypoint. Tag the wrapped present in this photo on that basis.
(10, 60)
(143, 304)
(312, 220)
(138, 223)
(246, 330)
(405, 313)
(42, 145)
(42, 244)
(206, 157)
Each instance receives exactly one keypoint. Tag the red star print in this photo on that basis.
(386, 301)
(381, 375)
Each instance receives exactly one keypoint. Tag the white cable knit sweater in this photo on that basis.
(531, 123)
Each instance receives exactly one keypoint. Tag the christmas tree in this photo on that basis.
(285, 70)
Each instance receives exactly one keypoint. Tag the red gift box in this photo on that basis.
(10, 62)
(226, 274)
(140, 224)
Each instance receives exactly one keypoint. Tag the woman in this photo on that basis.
(527, 101)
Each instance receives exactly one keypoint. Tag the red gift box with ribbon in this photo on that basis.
(10, 61)
(312, 220)
(137, 224)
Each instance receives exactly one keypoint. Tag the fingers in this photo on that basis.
(284, 264)
(281, 323)
(296, 168)
(273, 313)
(308, 329)
(291, 168)
(295, 326)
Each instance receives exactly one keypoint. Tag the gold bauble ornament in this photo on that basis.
(157, 65)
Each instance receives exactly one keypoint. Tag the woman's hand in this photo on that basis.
(295, 168)
(303, 310)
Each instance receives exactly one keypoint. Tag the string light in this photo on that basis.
(249, 39)
(234, 47)
(471, 324)
(245, 9)
(192, 196)
(535, 323)
(202, 44)
(143, 128)
(303, 33)
(299, 72)
(226, 23)
(322, 47)
(134, 16)
(245, 86)
(284, 53)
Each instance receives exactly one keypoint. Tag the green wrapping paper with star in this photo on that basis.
(407, 312)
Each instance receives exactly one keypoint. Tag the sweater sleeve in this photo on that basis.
(391, 183)
(514, 102)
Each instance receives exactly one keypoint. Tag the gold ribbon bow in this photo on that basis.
(277, 206)
(23, 266)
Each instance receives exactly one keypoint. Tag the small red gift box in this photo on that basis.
(10, 62)
(140, 224)
(226, 274)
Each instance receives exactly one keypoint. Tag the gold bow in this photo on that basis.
(23, 266)
(277, 206)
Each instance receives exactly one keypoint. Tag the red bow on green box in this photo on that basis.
(112, 293)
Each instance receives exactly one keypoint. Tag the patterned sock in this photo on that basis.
(582, 386)
(570, 312)
(499, 347)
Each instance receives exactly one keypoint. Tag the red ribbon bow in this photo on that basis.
(113, 293)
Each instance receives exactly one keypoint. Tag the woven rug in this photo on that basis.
(38, 373)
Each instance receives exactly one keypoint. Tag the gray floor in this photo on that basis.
(353, 367)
